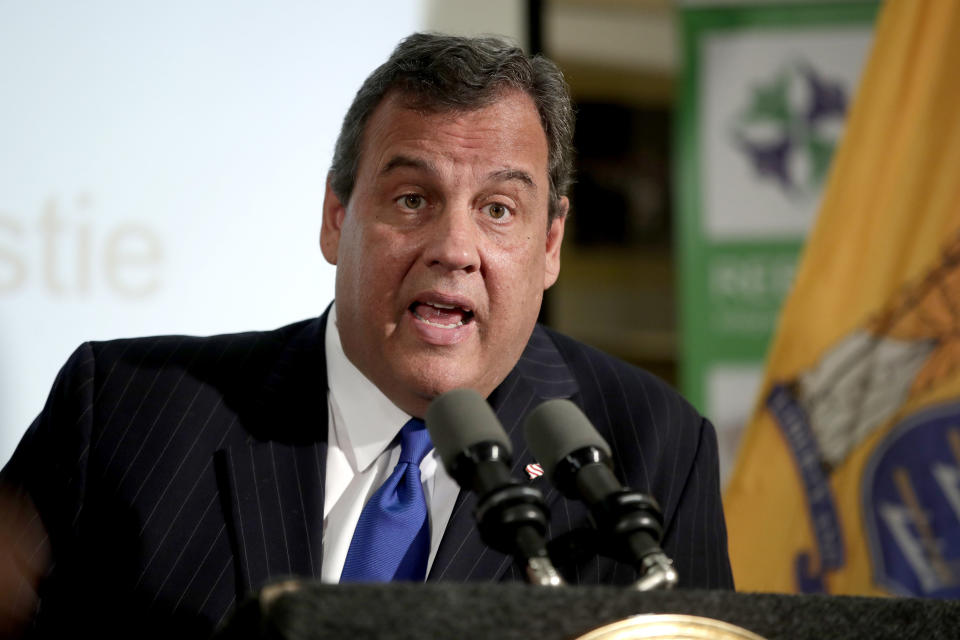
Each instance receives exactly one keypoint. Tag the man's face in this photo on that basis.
(443, 252)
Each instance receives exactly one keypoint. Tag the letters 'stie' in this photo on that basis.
(392, 538)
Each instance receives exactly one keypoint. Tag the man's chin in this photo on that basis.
(421, 384)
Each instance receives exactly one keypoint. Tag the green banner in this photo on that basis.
(764, 94)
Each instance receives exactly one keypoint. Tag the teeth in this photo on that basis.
(440, 305)
(437, 324)
(446, 306)
(442, 326)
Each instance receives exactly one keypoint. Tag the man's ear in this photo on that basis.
(334, 212)
(554, 240)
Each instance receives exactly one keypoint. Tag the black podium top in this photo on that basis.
(522, 612)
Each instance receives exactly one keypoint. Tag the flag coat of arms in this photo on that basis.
(848, 478)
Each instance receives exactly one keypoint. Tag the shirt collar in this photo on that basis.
(365, 421)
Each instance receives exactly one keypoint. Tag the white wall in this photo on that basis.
(506, 18)
(162, 168)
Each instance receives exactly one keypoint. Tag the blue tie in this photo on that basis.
(392, 538)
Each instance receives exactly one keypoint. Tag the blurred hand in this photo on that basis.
(24, 557)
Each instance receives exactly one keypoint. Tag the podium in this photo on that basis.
(522, 612)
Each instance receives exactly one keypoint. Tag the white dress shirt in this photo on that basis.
(362, 423)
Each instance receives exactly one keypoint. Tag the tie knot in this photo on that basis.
(414, 441)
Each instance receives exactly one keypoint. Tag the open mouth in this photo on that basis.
(443, 316)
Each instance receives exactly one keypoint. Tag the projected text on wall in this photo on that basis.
(63, 251)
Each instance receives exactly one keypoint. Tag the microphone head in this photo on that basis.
(556, 429)
(460, 419)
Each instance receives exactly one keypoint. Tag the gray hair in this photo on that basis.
(441, 72)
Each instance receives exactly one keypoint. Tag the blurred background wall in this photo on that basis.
(162, 171)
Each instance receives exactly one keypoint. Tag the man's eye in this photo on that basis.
(497, 211)
(411, 201)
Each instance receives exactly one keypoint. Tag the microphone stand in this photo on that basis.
(634, 523)
(511, 517)
(628, 522)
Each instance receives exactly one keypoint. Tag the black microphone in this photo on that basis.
(577, 461)
(475, 450)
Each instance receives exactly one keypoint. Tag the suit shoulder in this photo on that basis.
(599, 370)
(173, 348)
(239, 367)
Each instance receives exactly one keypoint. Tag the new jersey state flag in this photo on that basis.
(848, 478)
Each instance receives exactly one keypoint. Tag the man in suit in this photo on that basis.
(173, 475)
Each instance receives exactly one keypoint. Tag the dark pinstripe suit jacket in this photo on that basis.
(175, 474)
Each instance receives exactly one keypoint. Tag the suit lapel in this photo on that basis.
(540, 374)
(272, 486)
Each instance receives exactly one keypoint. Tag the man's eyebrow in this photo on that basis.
(501, 175)
(518, 175)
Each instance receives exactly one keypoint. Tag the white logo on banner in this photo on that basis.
(772, 109)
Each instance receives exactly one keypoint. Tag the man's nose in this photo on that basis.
(453, 241)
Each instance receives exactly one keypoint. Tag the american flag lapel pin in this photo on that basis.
(534, 470)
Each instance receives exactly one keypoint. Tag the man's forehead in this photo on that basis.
(403, 134)
(401, 161)
(397, 102)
